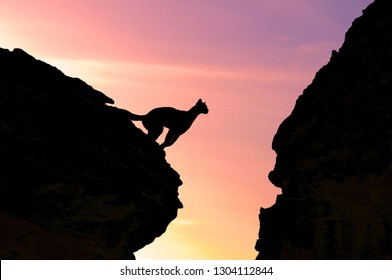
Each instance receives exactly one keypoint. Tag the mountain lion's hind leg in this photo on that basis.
(154, 130)
(170, 138)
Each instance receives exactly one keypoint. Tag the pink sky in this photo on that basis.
(249, 60)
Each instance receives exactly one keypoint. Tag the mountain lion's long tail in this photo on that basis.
(134, 117)
(125, 113)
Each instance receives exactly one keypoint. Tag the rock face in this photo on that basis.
(334, 155)
(78, 179)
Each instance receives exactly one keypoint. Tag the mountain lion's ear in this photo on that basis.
(200, 100)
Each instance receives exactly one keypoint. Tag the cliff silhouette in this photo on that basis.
(334, 155)
(78, 179)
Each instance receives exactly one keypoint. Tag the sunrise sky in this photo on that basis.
(248, 60)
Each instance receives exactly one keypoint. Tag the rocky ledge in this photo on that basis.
(334, 155)
(78, 179)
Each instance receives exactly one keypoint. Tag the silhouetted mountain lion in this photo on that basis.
(177, 121)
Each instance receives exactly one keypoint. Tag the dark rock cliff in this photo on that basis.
(78, 179)
(334, 155)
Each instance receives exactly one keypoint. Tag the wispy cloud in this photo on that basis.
(183, 222)
(316, 48)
